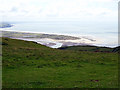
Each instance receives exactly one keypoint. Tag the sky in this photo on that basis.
(56, 10)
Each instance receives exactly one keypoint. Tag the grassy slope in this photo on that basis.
(89, 48)
(30, 65)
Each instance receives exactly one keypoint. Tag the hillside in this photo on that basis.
(27, 64)
(90, 48)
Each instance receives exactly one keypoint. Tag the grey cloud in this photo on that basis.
(104, 13)
(40, 10)
(2, 11)
(52, 15)
(14, 9)
(25, 11)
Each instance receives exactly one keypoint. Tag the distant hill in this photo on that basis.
(26, 64)
(116, 49)
(5, 25)
(90, 48)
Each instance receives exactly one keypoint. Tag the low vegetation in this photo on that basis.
(90, 48)
(30, 65)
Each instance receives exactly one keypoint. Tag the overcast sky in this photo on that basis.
(37, 10)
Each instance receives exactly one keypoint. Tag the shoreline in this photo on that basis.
(76, 42)
(65, 34)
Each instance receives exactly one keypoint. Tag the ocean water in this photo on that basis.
(106, 33)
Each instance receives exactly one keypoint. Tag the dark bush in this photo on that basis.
(3, 43)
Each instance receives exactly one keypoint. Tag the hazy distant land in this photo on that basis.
(5, 25)
(50, 40)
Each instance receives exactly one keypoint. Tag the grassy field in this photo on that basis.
(30, 65)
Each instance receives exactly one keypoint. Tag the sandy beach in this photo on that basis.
(51, 40)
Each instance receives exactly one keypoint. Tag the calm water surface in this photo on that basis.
(106, 33)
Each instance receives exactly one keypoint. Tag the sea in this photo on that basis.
(106, 33)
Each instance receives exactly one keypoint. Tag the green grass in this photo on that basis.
(30, 65)
(89, 48)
